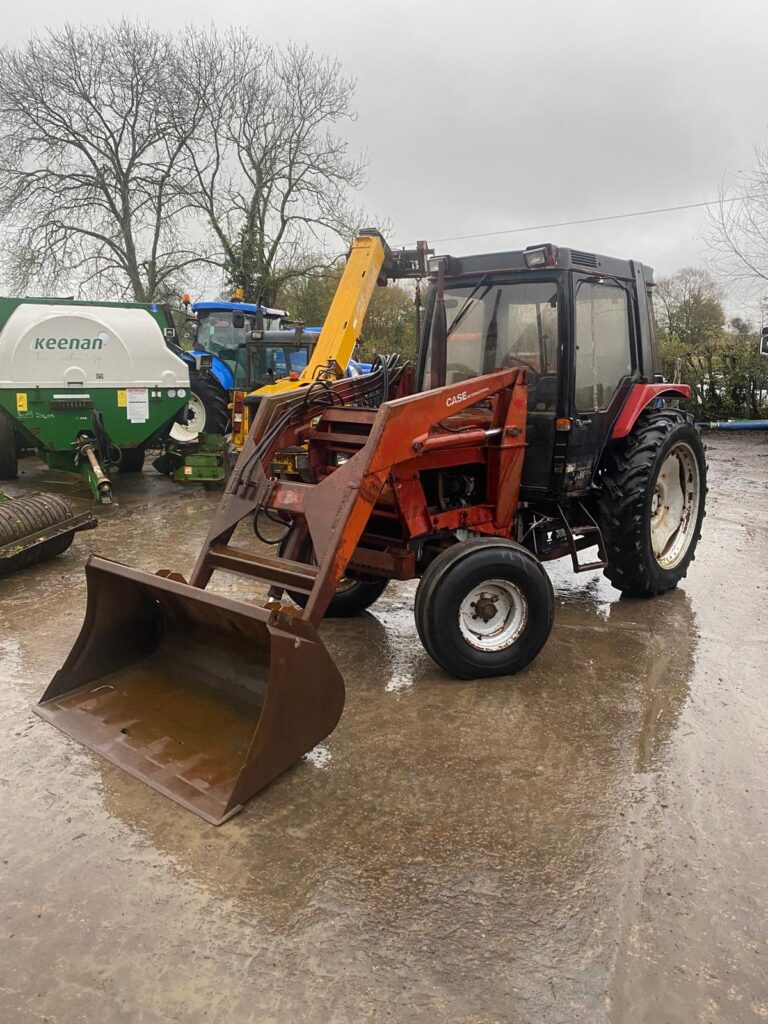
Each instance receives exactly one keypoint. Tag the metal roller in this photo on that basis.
(36, 528)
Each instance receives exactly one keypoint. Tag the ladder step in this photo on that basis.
(280, 572)
(587, 566)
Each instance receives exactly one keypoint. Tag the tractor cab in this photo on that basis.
(224, 331)
(580, 325)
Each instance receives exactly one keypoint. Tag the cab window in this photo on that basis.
(603, 352)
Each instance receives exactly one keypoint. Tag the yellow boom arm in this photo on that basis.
(342, 325)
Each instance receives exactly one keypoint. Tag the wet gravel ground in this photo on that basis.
(586, 841)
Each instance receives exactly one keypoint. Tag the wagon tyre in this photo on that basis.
(132, 460)
(484, 608)
(651, 506)
(9, 459)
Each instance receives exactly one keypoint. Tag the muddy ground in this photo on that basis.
(584, 842)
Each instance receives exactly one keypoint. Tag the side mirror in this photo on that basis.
(258, 325)
(238, 321)
(764, 342)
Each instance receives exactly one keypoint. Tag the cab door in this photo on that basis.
(603, 369)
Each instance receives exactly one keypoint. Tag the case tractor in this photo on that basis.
(535, 425)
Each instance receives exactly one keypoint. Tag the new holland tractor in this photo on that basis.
(234, 345)
(535, 425)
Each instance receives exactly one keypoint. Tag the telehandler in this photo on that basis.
(535, 425)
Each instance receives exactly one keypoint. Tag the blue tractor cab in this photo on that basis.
(237, 346)
(222, 330)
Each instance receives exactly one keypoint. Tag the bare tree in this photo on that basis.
(93, 125)
(738, 224)
(270, 175)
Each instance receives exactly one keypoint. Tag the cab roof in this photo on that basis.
(237, 307)
(566, 259)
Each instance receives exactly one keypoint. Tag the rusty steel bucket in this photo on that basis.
(204, 698)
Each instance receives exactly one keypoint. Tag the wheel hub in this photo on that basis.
(675, 506)
(493, 615)
(196, 416)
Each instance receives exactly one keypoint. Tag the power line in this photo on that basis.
(586, 220)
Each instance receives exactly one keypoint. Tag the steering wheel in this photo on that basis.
(465, 371)
(509, 359)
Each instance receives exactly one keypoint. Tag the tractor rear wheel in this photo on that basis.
(9, 459)
(352, 597)
(484, 608)
(206, 411)
(652, 503)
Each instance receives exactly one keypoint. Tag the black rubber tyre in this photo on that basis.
(447, 586)
(214, 401)
(353, 596)
(630, 484)
(9, 459)
(131, 460)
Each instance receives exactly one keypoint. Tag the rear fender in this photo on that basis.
(639, 398)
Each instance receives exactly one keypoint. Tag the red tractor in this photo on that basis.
(535, 425)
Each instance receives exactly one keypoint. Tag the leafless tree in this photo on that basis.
(269, 173)
(93, 126)
(738, 224)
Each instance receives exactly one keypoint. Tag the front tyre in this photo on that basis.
(484, 608)
(651, 506)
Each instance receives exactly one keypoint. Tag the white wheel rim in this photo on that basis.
(675, 506)
(195, 412)
(493, 615)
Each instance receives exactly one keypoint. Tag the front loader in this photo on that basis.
(535, 425)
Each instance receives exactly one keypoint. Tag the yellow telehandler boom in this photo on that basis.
(370, 262)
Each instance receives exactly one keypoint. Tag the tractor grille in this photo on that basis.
(584, 259)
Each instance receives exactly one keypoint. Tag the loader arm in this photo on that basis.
(208, 699)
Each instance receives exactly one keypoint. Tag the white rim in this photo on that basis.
(675, 506)
(195, 412)
(493, 615)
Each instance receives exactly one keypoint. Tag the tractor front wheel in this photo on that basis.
(652, 503)
(484, 608)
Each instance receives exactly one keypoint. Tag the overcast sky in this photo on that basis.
(486, 115)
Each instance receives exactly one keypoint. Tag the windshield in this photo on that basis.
(495, 326)
(217, 334)
(275, 361)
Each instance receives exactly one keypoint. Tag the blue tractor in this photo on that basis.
(239, 346)
(236, 345)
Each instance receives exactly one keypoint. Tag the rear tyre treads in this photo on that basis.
(353, 597)
(214, 401)
(624, 507)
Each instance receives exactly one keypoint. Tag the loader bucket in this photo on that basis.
(204, 698)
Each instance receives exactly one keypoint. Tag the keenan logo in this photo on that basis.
(79, 344)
